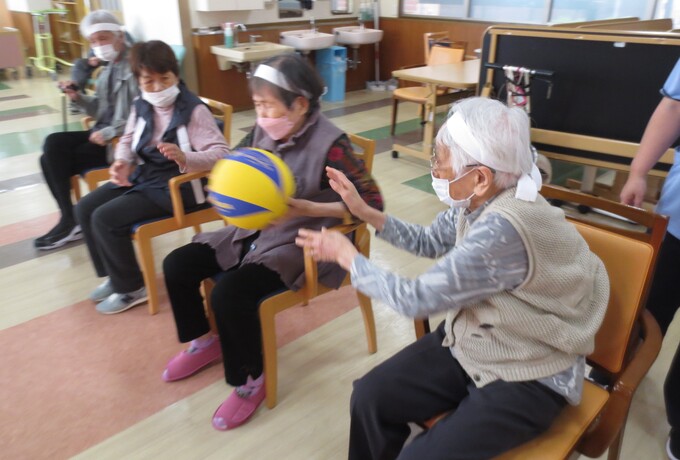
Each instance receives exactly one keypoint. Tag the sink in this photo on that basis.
(247, 52)
(307, 40)
(356, 35)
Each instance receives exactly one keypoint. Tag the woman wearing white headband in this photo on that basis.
(523, 294)
(75, 152)
(252, 265)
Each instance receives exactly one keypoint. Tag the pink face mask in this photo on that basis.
(276, 128)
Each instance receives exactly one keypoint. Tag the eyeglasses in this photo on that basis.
(434, 165)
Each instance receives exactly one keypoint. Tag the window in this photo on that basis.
(541, 11)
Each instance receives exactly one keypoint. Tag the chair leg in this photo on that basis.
(269, 353)
(615, 448)
(148, 271)
(395, 105)
(75, 188)
(369, 322)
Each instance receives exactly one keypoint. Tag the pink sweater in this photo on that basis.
(204, 136)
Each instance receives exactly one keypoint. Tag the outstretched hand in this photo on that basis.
(347, 191)
(173, 153)
(327, 246)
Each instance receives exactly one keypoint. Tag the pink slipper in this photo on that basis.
(192, 360)
(238, 407)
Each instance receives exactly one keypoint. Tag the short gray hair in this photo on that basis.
(501, 131)
(98, 17)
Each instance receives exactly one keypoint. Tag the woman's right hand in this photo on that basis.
(66, 87)
(120, 172)
(348, 192)
(633, 192)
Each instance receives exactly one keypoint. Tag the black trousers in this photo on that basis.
(663, 303)
(424, 380)
(64, 155)
(235, 301)
(106, 217)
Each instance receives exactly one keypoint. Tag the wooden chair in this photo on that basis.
(625, 346)
(437, 55)
(288, 299)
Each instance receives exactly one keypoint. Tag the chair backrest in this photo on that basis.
(629, 250)
(628, 261)
(444, 55)
(222, 112)
(367, 150)
(642, 225)
(441, 39)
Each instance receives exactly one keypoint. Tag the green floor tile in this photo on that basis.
(30, 141)
(4, 86)
(423, 183)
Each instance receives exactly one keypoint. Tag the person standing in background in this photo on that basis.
(661, 133)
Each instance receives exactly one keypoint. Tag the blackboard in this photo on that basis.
(605, 86)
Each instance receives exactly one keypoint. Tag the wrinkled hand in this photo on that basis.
(633, 192)
(120, 172)
(347, 191)
(172, 152)
(64, 86)
(327, 246)
(97, 138)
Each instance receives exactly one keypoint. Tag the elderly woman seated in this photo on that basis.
(524, 297)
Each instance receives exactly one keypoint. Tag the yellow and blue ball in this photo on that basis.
(249, 188)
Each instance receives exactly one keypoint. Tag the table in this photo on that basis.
(459, 75)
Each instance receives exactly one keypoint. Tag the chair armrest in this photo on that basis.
(613, 417)
(176, 197)
(87, 122)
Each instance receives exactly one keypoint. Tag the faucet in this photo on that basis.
(361, 24)
(236, 29)
(312, 24)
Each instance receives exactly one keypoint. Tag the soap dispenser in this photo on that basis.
(228, 34)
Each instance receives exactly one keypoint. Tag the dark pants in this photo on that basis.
(664, 299)
(64, 155)
(235, 301)
(424, 380)
(106, 217)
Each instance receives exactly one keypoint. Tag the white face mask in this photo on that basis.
(105, 52)
(441, 188)
(163, 98)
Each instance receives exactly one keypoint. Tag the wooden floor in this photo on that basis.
(77, 384)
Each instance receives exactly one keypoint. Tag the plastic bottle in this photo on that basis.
(228, 34)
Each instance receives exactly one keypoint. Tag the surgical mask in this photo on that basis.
(276, 128)
(163, 98)
(105, 52)
(441, 188)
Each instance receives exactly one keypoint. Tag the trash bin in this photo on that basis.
(332, 65)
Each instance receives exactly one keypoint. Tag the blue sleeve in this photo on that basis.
(672, 86)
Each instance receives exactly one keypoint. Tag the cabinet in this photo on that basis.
(228, 5)
(68, 43)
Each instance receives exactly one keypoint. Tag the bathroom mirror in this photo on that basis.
(290, 9)
(340, 6)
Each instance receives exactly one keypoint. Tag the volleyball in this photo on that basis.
(249, 188)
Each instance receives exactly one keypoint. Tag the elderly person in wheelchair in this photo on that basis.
(522, 292)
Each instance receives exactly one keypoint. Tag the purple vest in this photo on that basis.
(305, 154)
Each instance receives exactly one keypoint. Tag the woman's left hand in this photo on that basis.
(172, 152)
(328, 246)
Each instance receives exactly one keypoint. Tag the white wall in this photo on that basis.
(153, 20)
(270, 14)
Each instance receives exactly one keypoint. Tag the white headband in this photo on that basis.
(529, 183)
(104, 26)
(277, 78)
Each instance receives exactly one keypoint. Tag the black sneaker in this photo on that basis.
(55, 239)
